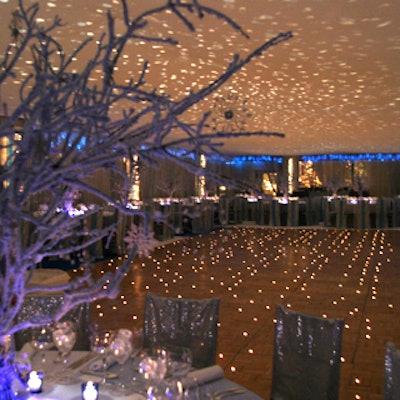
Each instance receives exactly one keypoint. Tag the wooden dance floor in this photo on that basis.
(349, 274)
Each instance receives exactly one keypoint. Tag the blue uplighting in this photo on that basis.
(238, 160)
(353, 157)
(182, 153)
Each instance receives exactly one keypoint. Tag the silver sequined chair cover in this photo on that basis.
(48, 304)
(391, 377)
(307, 356)
(183, 322)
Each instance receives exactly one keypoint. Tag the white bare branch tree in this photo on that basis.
(61, 133)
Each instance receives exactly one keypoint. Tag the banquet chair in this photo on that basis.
(293, 213)
(183, 322)
(307, 356)
(385, 207)
(275, 213)
(330, 211)
(391, 376)
(48, 304)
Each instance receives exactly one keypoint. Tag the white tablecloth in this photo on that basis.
(73, 392)
(52, 391)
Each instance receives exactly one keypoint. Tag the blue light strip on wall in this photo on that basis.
(235, 160)
(353, 157)
(260, 159)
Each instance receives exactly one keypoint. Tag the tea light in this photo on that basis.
(35, 381)
(90, 390)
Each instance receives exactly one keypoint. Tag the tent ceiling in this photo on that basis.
(333, 88)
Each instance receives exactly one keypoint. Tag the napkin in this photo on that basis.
(203, 376)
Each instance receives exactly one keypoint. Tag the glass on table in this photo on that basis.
(164, 371)
(42, 340)
(179, 361)
(100, 342)
(121, 350)
(165, 390)
(153, 365)
(64, 337)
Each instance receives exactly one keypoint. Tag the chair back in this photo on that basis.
(182, 322)
(307, 356)
(391, 377)
(48, 304)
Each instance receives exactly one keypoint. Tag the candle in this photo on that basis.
(90, 390)
(35, 381)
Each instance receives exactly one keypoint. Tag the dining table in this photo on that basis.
(204, 384)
